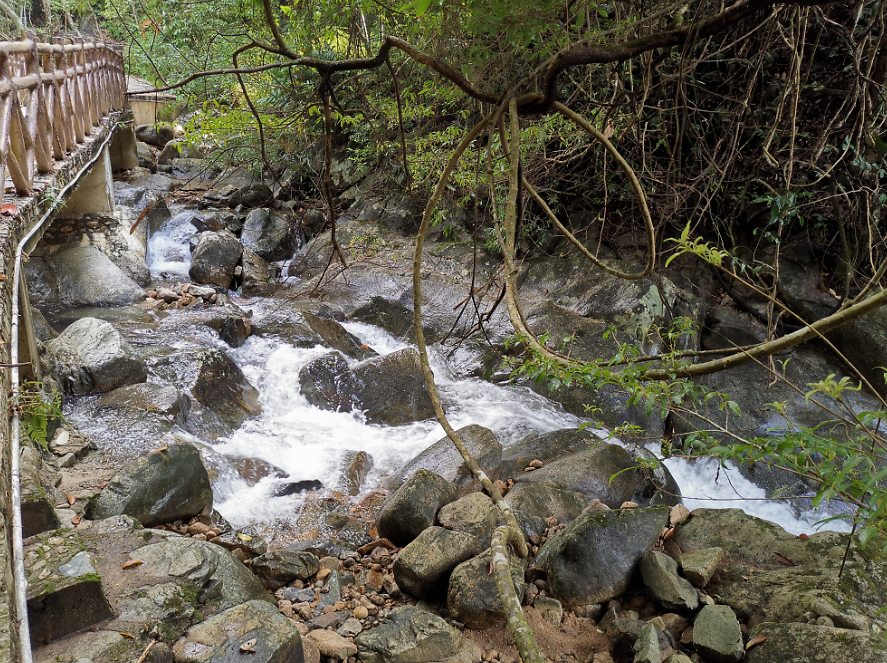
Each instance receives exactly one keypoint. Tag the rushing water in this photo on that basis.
(308, 443)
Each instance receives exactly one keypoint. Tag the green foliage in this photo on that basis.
(36, 411)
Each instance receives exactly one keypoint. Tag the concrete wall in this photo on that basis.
(12, 230)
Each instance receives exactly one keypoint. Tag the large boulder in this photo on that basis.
(388, 390)
(792, 576)
(413, 508)
(473, 514)
(163, 486)
(606, 472)
(595, 557)
(254, 631)
(87, 277)
(91, 357)
(444, 459)
(203, 565)
(215, 258)
(472, 597)
(408, 635)
(338, 338)
(809, 643)
(286, 565)
(221, 387)
(423, 567)
(156, 134)
(543, 500)
(271, 235)
(259, 278)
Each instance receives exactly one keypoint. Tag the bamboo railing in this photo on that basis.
(51, 96)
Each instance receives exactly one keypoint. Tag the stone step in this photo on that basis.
(65, 592)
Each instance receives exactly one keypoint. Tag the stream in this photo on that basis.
(307, 443)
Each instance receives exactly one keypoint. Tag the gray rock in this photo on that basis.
(413, 508)
(775, 592)
(423, 567)
(214, 258)
(91, 356)
(42, 329)
(335, 336)
(807, 643)
(271, 235)
(444, 459)
(87, 277)
(158, 488)
(700, 565)
(155, 134)
(147, 397)
(473, 514)
(286, 319)
(179, 149)
(647, 646)
(332, 645)
(228, 322)
(540, 499)
(389, 390)
(222, 387)
(350, 628)
(147, 158)
(592, 472)
(717, 636)
(472, 597)
(408, 635)
(298, 595)
(259, 278)
(594, 558)
(660, 575)
(356, 466)
(551, 609)
(220, 639)
(286, 565)
(200, 563)
(545, 447)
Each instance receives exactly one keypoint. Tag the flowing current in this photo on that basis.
(308, 443)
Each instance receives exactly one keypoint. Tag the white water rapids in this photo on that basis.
(308, 443)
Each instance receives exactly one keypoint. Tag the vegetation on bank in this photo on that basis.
(724, 132)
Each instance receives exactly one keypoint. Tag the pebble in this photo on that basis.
(361, 612)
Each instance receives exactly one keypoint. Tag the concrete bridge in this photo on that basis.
(63, 130)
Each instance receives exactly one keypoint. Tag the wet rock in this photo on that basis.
(222, 387)
(540, 499)
(228, 322)
(444, 459)
(259, 278)
(700, 565)
(160, 487)
(776, 592)
(591, 472)
(155, 134)
(807, 643)
(254, 630)
(253, 470)
(147, 397)
(42, 329)
(296, 487)
(87, 277)
(545, 447)
(270, 234)
(472, 597)
(389, 390)
(91, 356)
(716, 634)
(335, 336)
(408, 635)
(413, 508)
(656, 486)
(660, 575)
(356, 466)
(422, 568)
(595, 557)
(287, 320)
(179, 149)
(214, 258)
(286, 565)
